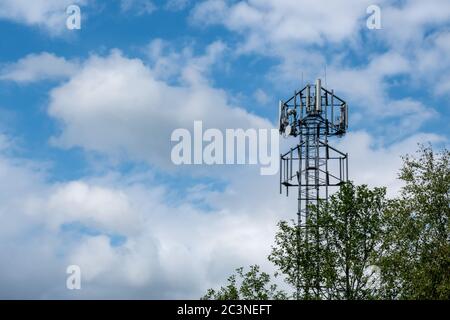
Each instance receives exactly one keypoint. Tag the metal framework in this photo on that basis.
(313, 115)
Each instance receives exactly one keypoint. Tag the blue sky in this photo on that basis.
(86, 117)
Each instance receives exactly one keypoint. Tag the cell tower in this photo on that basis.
(313, 114)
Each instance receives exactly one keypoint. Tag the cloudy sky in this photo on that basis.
(86, 117)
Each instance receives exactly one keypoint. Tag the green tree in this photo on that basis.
(252, 285)
(415, 255)
(359, 245)
(335, 260)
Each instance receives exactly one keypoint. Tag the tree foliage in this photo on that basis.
(361, 245)
(415, 256)
(335, 260)
(250, 285)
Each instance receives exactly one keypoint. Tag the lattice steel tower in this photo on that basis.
(313, 115)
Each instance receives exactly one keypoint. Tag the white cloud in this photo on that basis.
(269, 24)
(408, 21)
(261, 96)
(177, 5)
(48, 14)
(431, 62)
(273, 23)
(373, 163)
(305, 36)
(366, 85)
(366, 90)
(94, 206)
(37, 67)
(94, 256)
(168, 64)
(116, 105)
(171, 250)
(140, 7)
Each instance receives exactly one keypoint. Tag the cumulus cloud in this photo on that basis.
(375, 163)
(177, 5)
(261, 96)
(169, 249)
(37, 67)
(431, 61)
(367, 91)
(127, 107)
(167, 63)
(272, 24)
(48, 14)
(268, 23)
(140, 7)
(408, 21)
(306, 36)
(93, 206)
(117, 105)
